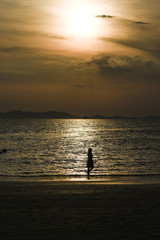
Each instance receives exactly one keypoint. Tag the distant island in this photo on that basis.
(59, 115)
(38, 115)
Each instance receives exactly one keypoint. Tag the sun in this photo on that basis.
(81, 22)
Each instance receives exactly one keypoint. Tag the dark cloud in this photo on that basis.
(131, 68)
(104, 16)
(135, 22)
(10, 49)
(141, 23)
(20, 50)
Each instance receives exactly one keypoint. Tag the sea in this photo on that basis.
(57, 148)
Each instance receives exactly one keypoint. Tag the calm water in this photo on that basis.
(43, 148)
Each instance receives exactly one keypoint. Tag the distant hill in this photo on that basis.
(60, 115)
(103, 117)
(152, 117)
(97, 117)
(38, 115)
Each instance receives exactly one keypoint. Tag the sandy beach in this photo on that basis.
(78, 210)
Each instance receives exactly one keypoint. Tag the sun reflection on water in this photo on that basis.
(77, 138)
(59, 147)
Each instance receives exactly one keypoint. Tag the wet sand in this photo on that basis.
(78, 210)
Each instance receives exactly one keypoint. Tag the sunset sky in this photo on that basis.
(82, 57)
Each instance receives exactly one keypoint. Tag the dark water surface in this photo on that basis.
(58, 148)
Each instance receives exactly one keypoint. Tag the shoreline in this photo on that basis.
(121, 179)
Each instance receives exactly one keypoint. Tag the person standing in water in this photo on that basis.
(3, 151)
(90, 164)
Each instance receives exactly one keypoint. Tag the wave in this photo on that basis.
(43, 176)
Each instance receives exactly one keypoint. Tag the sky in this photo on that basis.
(82, 57)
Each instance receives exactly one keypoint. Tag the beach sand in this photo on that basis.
(78, 210)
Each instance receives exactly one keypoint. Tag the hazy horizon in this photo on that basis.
(78, 116)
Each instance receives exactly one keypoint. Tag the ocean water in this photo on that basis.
(58, 148)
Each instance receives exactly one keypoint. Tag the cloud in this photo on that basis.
(10, 49)
(148, 45)
(16, 33)
(20, 50)
(127, 42)
(124, 67)
(22, 65)
(121, 63)
(141, 23)
(10, 4)
(104, 16)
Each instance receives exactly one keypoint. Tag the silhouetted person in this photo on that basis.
(3, 151)
(90, 164)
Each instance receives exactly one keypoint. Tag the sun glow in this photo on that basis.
(81, 22)
(78, 24)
